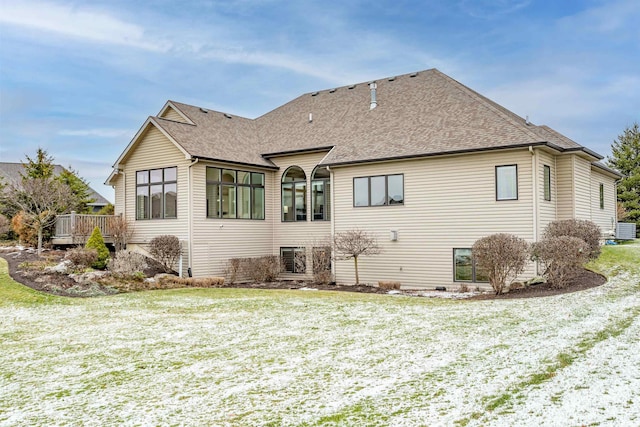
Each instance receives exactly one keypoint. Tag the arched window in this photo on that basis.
(294, 195)
(321, 194)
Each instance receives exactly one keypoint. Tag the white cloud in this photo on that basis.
(98, 133)
(76, 22)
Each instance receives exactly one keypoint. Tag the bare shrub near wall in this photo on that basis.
(583, 229)
(232, 269)
(322, 265)
(121, 230)
(166, 250)
(81, 257)
(169, 282)
(82, 229)
(562, 258)
(502, 256)
(389, 285)
(127, 263)
(259, 269)
(265, 268)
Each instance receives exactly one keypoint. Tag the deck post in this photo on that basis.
(72, 227)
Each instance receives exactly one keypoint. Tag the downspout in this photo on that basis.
(333, 220)
(534, 182)
(190, 216)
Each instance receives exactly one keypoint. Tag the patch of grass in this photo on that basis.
(615, 259)
(12, 292)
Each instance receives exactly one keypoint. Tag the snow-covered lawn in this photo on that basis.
(233, 357)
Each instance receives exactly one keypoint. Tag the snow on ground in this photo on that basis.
(232, 357)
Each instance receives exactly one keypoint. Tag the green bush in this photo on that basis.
(97, 242)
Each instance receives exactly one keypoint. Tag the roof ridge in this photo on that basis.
(492, 105)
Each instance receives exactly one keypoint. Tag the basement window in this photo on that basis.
(465, 269)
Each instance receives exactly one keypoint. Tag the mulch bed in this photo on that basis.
(62, 284)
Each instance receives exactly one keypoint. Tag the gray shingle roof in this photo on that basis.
(11, 173)
(418, 114)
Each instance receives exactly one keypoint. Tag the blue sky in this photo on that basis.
(79, 78)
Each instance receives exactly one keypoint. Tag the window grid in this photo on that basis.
(234, 194)
(465, 268)
(293, 195)
(156, 193)
(378, 190)
(320, 195)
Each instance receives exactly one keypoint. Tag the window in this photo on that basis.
(294, 195)
(547, 183)
(380, 190)
(465, 269)
(601, 196)
(234, 194)
(157, 193)
(507, 182)
(320, 194)
(293, 260)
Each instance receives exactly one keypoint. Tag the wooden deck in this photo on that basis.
(74, 229)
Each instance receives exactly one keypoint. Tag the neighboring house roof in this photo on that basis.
(11, 172)
(418, 114)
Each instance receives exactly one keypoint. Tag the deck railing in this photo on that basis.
(78, 227)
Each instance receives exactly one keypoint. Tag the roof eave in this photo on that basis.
(299, 151)
(441, 153)
(234, 162)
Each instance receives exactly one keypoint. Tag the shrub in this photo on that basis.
(389, 285)
(97, 242)
(264, 269)
(82, 258)
(259, 269)
(24, 229)
(166, 250)
(322, 265)
(121, 230)
(580, 228)
(501, 256)
(127, 263)
(233, 269)
(199, 282)
(562, 257)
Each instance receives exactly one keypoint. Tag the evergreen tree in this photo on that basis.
(40, 167)
(626, 160)
(97, 242)
(79, 188)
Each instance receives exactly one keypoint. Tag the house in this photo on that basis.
(421, 161)
(11, 173)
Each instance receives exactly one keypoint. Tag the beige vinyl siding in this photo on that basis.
(216, 240)
(449, 202)
(564, 187)
(171, 114)
(546, 208)
(582, 186)
(153, 150)
(298, 233)
(605, 218)
(118, 183)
